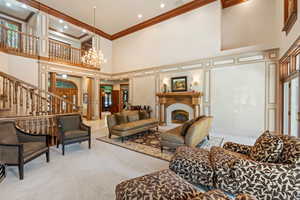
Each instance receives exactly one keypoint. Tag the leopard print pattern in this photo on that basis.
(291, 150)
(238, 148)
(212, 195)
(267, 148)
(193, 165)
(162, 185)
(245, 197)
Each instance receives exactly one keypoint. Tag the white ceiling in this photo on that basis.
(113, 16)
(15, 9)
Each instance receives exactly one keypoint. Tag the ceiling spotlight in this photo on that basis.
(24, 6)
(162, 5)
(84, 31)
(66, 27)
(140, 16)
(64, 76)
(61, 21)
(8, 4)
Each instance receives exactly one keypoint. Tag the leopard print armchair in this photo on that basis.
(236, 172)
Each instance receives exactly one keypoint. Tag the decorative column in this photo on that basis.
(84, 86)
(42, 29)
(96, 105)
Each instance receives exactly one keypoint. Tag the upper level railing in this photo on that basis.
(17, 42)
(61, 52)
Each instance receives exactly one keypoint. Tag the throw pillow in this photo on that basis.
(267, 148)
(186, 126)
(200, 117)
(121, 119)
(133, 118)
(291, 150)
(143, 114)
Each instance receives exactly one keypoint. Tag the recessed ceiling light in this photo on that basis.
(83, 30)
(24, 6)
(140, 16)
(61, 21)
(8, 4)
(162, 5)
(66, 27)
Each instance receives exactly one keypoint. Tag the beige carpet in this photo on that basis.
(149, 144)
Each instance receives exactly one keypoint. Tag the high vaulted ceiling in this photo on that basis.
(113, 16)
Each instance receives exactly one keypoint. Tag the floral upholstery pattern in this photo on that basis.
(267, 148)
(162, 185)
(193, 164)
(291, 150)
(237, 173)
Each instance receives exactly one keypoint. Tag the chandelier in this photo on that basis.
(92, 57)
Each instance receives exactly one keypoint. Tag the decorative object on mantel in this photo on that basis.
(92, 57)
(191, 99)
(179, 84)
(290, 14)
(149, 144)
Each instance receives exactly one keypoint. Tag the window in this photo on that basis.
(298, 62)
(13, 32)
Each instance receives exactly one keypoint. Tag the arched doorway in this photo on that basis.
(67, 89)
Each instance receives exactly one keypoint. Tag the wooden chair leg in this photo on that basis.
(63, 149)
(89, 143)
(57, 143)
(161, 149)
(21, 171)
(208, 137)
(48, 156)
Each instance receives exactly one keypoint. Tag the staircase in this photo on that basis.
(34, 110)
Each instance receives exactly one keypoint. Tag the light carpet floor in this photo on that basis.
(81, 174)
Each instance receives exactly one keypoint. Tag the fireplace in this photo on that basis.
(178, 107)
(179, 116)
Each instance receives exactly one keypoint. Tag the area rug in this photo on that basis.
(149, 144)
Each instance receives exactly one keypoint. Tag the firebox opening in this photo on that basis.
(179, 116)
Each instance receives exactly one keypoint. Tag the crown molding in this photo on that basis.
(229, 3)
(51, 11)
(165, 16)
(155, 20)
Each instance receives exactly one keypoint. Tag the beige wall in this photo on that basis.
(250, 24)
(190, 36)
(22, 68)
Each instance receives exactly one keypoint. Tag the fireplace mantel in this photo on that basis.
(191, 99)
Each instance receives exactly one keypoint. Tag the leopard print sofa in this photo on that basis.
(166, 185)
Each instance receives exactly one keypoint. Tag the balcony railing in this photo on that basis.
(17, 42)
(61, 52)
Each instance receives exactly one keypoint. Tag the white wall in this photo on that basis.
(286, 41)
(190, 36)
(249, 24)
(238, 99)
(22, 68)
(198, 34)
(107, 49)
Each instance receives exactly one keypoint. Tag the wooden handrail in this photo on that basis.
(33, 87)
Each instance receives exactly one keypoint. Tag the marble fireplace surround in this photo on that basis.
(170, 101)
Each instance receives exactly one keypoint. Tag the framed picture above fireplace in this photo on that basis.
(179, 84)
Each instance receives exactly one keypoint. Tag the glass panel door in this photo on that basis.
(286, 105)
(294, 107)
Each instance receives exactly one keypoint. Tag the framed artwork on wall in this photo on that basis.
(290, 14)
(179, 84)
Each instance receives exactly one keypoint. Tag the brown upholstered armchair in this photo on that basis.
(72, 130)
(17, 147)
